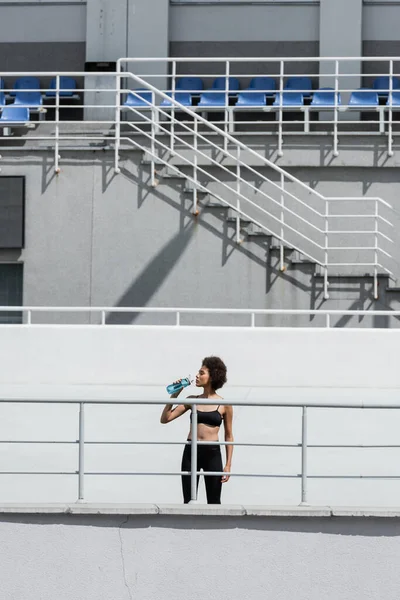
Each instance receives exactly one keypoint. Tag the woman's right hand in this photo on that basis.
(179, 391)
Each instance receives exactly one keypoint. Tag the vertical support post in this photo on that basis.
(117, 140)
(328, 321)
(29, 317)
(178, 318)
(195, 194)
(304, 456)
(57, 127)
(103, 317)
(326, 283)
(252, 319)
(153, 139)
(193, 465)
(336, 111)
(280, 112)
(238, 190)
(172, 143)
(282, 247)
(81, 471)
(390, 127)
(376, 295)
(226, 124)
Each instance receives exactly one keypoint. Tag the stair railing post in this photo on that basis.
(226, 126)
(238, 188)
(326, 283)
(390, 127)
(117, 140)
(57, 127)
(81, 442)
(282, 247)
(336, 111)
(280, 112)
(153, 139)
(172, 144)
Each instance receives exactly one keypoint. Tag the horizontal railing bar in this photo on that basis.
(187, 310)
(205, 473)
(361, 404)
(206, 443)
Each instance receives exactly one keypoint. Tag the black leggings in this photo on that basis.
(208, 459)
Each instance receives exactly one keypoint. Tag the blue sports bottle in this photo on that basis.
(175, 387)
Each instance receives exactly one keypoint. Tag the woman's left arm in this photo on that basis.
(228, 418)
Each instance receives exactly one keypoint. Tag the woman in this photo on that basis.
(211, 377)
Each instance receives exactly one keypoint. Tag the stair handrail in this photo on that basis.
(224, 134)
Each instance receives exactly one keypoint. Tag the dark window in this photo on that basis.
(11, 291)
(12, 212)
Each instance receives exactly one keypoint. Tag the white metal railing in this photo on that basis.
(303, 445)
(312, 239)
(343, 74)
(177, 313)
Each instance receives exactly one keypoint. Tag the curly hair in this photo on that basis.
(217, 369)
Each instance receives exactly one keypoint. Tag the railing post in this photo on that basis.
(376, 294)
(226, 126)
(153, 139)
(81, 472)
(238, 190)
(178, 318)
(282, 247)
(328, 321)
(57, 127)
(252, 320)
(280, 112)
(172, 144)
(193, 463)
(195, 194)
(117, 141)
(103, 317)
(390, 127)
(304, 457)
(336, 111)
(29, 317)
(326, 283)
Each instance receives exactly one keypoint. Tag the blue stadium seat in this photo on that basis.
(28, 99)
(142, 98)
(211, 99)
(2, 95)
(395, 99)
(363, 98)
(289, 99)
(325, 98)
(26, 83)
(183, 97)
(251, 99)
(301, 84)
(382, 85)
(263, 84)
(189, 84)
(14, 114)
(67, 87)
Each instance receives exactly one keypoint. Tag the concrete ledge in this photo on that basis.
(83, 508)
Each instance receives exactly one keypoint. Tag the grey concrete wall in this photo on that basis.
(42, 22)
(244, 23)
(156, 556)
(94, 238)
(41, 56)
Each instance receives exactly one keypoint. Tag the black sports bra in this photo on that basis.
(212, 418)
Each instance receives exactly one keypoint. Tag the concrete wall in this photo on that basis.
(94, 238)
(156, 556)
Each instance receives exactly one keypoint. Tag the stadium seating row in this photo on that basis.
(296, 91)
